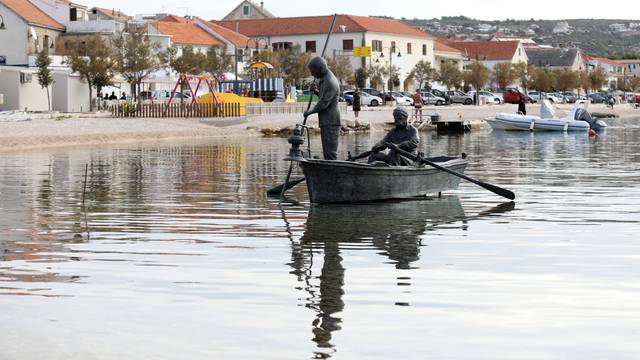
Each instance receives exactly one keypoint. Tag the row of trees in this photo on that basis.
(476, 75)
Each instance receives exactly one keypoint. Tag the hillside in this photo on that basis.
(598, 37)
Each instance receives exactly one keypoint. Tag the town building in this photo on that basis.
(392, 42)
(490, 53)
(248, 10)
(555, 58)
(27, 31)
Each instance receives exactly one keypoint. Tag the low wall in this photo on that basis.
(275, 108)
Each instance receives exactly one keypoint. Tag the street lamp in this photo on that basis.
(2, 27)
(257, 43)
(392, 49)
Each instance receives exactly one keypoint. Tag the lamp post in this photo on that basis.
(392, 49)
(257, 43)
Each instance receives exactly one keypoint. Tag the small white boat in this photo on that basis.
(578, 119)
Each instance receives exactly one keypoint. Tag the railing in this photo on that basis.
(277, 108)
(175, 110)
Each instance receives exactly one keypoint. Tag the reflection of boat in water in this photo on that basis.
(578, 119)
(393, 229)
(368, 182)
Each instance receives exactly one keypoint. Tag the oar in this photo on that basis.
(493, 188)
(286, 186)
(365, 154)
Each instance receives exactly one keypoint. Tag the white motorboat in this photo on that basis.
(578, 119)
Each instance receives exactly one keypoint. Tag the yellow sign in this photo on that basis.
(362, 51)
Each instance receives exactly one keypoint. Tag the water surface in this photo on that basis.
(178, 254)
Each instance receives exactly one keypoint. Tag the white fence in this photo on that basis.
(276, 108)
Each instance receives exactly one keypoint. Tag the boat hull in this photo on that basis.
(347, 182)
(514, 122)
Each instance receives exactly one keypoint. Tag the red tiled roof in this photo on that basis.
(487, 50)
(440, 46)
(185, 33)
(602, 60)
(320, 25)
(233, 37)
(31, 13)
(113, 13)
(627, 61)
(174, 18)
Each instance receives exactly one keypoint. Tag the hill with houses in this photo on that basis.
(597, 37)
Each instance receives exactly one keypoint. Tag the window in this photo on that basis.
(424, 49)
(281, 45)
(408, 48)
(245, 10)
(310, 46)
(73, 14)
(393, 46)
(347, 45)
(376, 45)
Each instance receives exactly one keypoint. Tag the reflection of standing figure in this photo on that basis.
(327, 107)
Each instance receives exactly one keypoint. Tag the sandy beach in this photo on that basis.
(78, 130)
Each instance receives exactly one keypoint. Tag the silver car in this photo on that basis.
(460, 97)
(430, 99)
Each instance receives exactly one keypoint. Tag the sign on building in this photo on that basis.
(362, 51)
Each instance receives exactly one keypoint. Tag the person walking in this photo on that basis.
(356, 103)
(417, 105)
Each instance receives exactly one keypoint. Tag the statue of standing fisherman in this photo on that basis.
(327, 107)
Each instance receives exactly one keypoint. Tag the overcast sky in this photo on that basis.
(423, 9)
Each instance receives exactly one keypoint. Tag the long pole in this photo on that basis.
(235, 58)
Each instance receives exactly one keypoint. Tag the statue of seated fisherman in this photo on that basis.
(403, 136)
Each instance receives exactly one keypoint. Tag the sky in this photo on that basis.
(422, 9)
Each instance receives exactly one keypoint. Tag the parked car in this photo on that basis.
(365, 98)
(597, 98)
(442, 94)
(489, 97)
(457, 96)
(555, 98)
(429, 99)
(513, 95)
(552, 97)
(372, 91)
(399, 98)
(570, 97)
(166, 95)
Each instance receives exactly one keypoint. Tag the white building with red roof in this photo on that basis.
(490, 53)
(393, 42)
(27, 31)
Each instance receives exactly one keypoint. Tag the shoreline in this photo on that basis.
(82, 130)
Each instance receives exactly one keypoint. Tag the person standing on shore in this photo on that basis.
(522, 106)
(356, 102)
(327, 107)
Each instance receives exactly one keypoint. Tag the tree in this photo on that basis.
(450, 75)
(189, 62)
(477, 75)
(504, 74)
(45, 76)
(585, 81)
(394, 77)
(92, 59)
(377, 73)
(566, 79)
(422, 72)
(543, 80)
(598, 78)
(218, 61)
(341, 68)
(361, 75)
(634, 84)
(136, 56)
(523, 73)
(294, 65)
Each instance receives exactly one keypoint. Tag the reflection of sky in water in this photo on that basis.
(188, 259)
